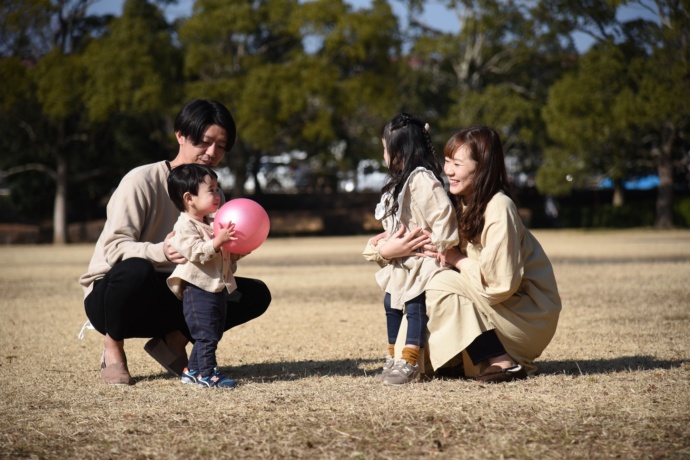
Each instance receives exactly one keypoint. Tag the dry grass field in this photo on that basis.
(614, 383)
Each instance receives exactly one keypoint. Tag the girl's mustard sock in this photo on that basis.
(391, 349)
(410, 355)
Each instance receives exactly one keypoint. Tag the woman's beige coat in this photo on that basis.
(507, 285)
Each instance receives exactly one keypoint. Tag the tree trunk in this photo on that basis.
(664, 199)
(60, 206)
(256, 166)
(618, 193)
(237, 162)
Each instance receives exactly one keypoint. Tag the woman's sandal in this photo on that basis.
(115, 373)
(496, 374)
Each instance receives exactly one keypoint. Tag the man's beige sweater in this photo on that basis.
(140, 215)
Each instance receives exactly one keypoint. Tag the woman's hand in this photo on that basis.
(170, 252)
(454, 256)
(430, 250)
(402, 244)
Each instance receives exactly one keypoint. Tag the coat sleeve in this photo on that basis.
(432, 203)
(497, 273)
(371, 252)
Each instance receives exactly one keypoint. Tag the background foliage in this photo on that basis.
(86, 98)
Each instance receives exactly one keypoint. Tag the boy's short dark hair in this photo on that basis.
(198, 115)
(186, 178)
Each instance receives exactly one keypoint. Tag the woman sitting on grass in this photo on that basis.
(499, 308)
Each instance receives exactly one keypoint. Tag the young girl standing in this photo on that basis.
(413, 199)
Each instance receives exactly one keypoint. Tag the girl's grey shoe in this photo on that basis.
(401, 373)
(387, 366)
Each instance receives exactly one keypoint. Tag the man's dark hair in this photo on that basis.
(198, 115)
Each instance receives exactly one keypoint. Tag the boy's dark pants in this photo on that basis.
(205, 314)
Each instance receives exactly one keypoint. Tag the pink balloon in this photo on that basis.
(251, 224)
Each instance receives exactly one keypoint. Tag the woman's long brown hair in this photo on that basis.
(490, 176)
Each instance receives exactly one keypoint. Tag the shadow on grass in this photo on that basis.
(285, 371)
(295, 370)
(605, 366)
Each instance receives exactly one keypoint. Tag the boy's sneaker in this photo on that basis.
(189, 376)
(401, 373)
(387, 366)
(216, 380)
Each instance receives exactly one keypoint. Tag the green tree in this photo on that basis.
(89, 98)
(657, 105)
(134, 68)
(43, 115)
(495, 71)
(581, 117)
(321, 100)
(363, 51)
(133, 89)
(632, 90)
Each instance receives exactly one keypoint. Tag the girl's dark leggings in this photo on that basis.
(415, 310)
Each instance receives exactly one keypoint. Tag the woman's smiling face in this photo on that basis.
(460, 171)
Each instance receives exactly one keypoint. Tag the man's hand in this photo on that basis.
(170, 252)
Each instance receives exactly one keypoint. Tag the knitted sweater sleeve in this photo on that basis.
(132, 221)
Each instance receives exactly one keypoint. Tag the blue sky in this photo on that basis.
(434, 14)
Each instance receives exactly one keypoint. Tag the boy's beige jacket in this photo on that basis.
(205, 268)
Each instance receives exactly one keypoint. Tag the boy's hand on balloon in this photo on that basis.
(223, 235)
(228, 233)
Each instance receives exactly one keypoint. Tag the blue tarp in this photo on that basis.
(639, 183)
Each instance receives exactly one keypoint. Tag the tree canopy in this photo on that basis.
(89, 97)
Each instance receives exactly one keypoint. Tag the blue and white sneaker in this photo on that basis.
(189, 376)
(216, 380)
